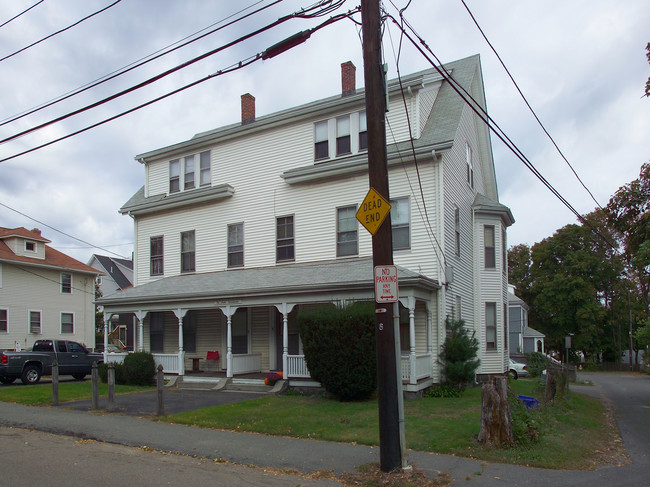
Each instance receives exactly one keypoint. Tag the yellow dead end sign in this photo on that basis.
(373, 211)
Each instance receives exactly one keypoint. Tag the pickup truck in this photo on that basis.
(72, 357)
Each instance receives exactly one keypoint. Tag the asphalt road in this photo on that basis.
(629, 394)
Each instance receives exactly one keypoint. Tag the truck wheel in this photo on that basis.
(79, 376)
(31, 375)
(7, 380)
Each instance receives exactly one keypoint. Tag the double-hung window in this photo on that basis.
(347, 238)
(188, 173)
(363, 131)
(188, 254)
(66, 283)
(4, 320)
(156, 256)
(236, 245)
(489, 246)
(67, 323)
(491, 326)
(285, 248)
(343, 136)
(205, 168)
(174, 176)
(321, 140)
(400, 223)
(34, 321)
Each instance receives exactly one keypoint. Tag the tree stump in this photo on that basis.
(551, 386)
(496, 421)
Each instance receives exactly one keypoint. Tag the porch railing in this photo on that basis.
(246, 364)
(169, 361)
(297, 367)
(420, 369)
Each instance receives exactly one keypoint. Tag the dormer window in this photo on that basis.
(321, 149)
(363, 131)
(184, 172)
(343, 135)
(30, 246)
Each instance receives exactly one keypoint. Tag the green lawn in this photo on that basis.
(573, 431)
(41, 394)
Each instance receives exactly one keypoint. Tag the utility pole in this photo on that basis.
(390, 451)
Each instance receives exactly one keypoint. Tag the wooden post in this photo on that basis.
(160, 383)
(55, 383)
(95, 382)
(390, 450)
(111, 385)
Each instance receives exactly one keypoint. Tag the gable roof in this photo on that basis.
(112, 268)
(532, 333)
(53, 258)
(483, 204)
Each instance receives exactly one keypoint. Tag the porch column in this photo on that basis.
(107, 320)
(229, 311)
(409, 303)
(285, 309)
(180, 314)
(139, 316)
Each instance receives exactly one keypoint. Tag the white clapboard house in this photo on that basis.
(238, 228)
(44, 293)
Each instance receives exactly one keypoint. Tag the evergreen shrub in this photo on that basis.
(458, 356)
(340, 351)
(535, 363)
(139, 369)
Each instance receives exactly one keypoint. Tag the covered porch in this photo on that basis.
(232, 323)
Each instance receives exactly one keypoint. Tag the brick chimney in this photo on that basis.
(247, 109)
(37, 231)
(348, 79)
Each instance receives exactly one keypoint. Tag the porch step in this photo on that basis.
(223, 384)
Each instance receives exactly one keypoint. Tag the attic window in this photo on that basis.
(30, 246)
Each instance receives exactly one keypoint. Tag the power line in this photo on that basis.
(528, 104)
(141, 62)
(60, 31)
(61, 231)
(21, 13)
(301, 14)
(491, 124)
(241, 64)
(52, 280)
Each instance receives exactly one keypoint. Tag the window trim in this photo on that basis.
(493, 314)
(65, 289)
(190, 253)
(157, 257)
(174, 176)
(363, 134)
(205, 156)
(189, 168)
(61, 322)
(4, 320)
(489, 252)
(32, 243)
(234, 250)
(401, 226)
(40, 321)
(339, 232)
(292, 238)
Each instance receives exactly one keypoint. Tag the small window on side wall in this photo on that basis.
(34, 321)
(400, 216)
(174, 176)
(491, 326)
(343, 136)
(236, 245)
(66, 283)
(67, 323)
(285, 249)
(489, 246)
(363, 131)
(156, 256)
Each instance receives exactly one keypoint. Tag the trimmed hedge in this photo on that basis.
(340, 350)
(138, 369)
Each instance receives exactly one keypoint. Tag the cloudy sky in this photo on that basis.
(580, 63)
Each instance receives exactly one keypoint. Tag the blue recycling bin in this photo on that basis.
(529, 402)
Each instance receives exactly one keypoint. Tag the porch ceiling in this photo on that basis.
(306, 282)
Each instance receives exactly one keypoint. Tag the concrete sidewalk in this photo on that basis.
(307, 456)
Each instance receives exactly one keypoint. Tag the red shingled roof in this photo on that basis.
(53, 258)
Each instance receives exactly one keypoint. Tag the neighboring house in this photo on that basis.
(43, 292)
(239, 228)
(523, 338)
(117, 275)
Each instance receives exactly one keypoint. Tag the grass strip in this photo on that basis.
(41, 394)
